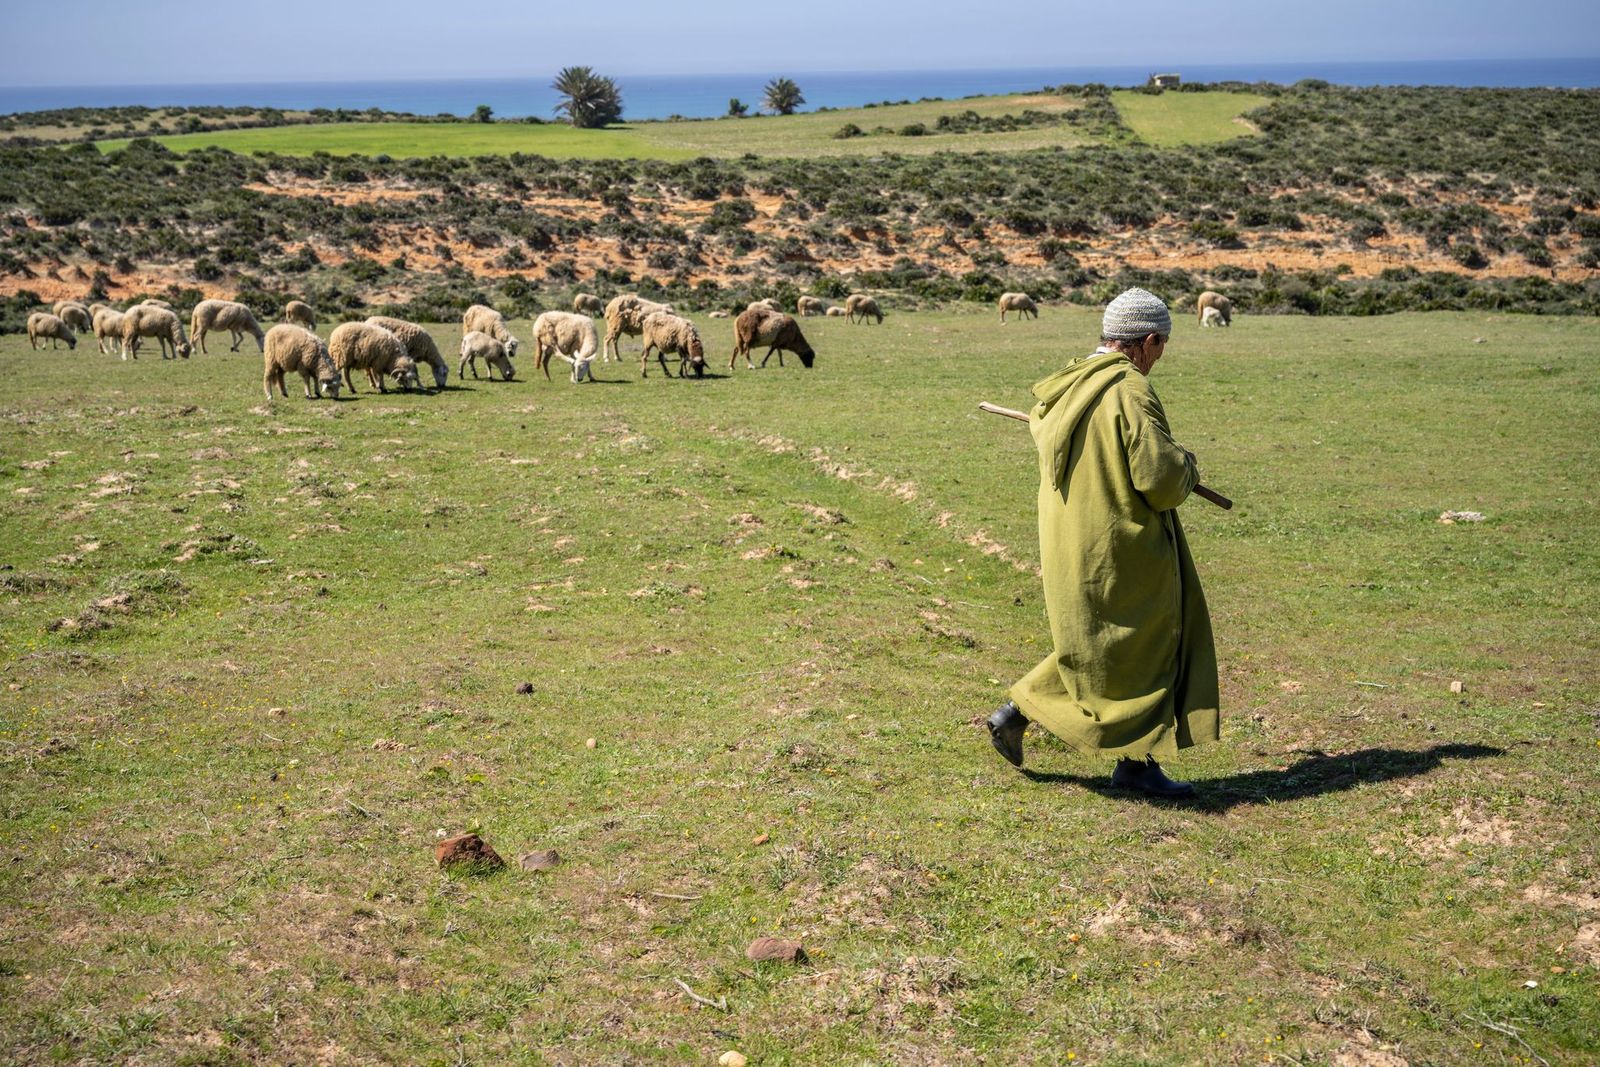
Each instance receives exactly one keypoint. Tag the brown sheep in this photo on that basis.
(43, 325)
(151, 320)
(775, 330)
(668, 333)
(858, 304)
(358, 346)
(291, 348)
(1021, 303)
(419, 345)
(299, 313)
(1210, 299)
(588, 304)
(228, 315)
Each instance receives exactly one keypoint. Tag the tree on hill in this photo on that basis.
(782, 95)
(482, 113)
(737, 108)
(589, 100)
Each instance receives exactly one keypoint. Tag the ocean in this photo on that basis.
(659, 96)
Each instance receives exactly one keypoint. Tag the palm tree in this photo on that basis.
(590, 100)
(782, 95)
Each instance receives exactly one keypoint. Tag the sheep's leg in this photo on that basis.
(349, 382)
(200, 339)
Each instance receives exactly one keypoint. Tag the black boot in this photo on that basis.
(1145, 776)
(1005, 730)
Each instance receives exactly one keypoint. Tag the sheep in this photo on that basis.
(481, 319)
(1211, 317)
(836, 312)
(775, 330)
(476, 345)
(587, 304)
(228, 315)
(1210, 299)
(107, 328)
(295, 348)
(668, 333)
(75, 315)
(299, 313)
(625, 315)
(568, 335)
(42, 324)
(153, 302)
(1021, 303)
(858, 304)
(811, 305)
(419, 345)
(765, 302)
(721, 314)
(148, 320)
(360, 346)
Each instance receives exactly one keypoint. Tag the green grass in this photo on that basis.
(1175, 118)
(768, 599)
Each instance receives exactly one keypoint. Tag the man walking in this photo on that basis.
(1133, 673)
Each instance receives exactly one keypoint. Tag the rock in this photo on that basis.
(524, 689)
(731, 1058)
(1456, 686)
(775, 948)
(540, 860)
(469, 851)
(760, 839)
(589, 743)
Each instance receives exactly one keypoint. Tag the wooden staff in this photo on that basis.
(1021, 416)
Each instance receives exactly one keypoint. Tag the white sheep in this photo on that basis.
(836, 312)
(811, 305)
(721, 314)
(477, 345)
(859, 305)
(299, 313)
(568, 335)
(588, 304)
(153, 302)
(625, 315)
(1211, 299)
(482, 319)
(295, 349)
(1021, 303)
(359, 346)
(75, 315)
(43, 325)
(228, 315)
(107, 328)
(419, 344)
(672, 334)
(152, 320)
(766, 302)
(1211, 317)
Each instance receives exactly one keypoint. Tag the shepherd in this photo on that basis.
(1133, 671)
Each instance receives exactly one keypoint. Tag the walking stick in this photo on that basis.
(1201, 491)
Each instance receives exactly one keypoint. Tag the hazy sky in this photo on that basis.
(180, 41)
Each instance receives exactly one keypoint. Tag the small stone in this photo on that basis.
(775, 948)
(760, 839)
(1456, 686)
(276, 713)
(470, 851)
(731, 1058)
(524, 689)
(589, 743)
(541, 860)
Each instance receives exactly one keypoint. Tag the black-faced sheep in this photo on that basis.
(777, 331)
(151, 320)
(625, 315)
(859, 305)
(566, 335)
(811, 305)
(419, 344)
(228, 315)
(1021, 303)
(358, 346)
(107, 329)
(299, 313)
(1210, 299)
(477, 345)
(480, 318)
(295, 349)
(671, 334)
(588, 304)
(44, 326)
(75, 315)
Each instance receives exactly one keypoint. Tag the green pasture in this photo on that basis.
(257, 657)
(1175, 118)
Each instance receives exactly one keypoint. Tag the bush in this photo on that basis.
(847, 131)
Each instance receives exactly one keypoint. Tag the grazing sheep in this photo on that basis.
(776, 330)
(858, 304)
(1021, 303)
(811, 305)
(567, 335)
(295, 348)
(481, 319)
(1210, 299)
(107, 329)
(74, 314)
(672, 334)
(625, 315)
(42, 324)
(1211, 317)
(149, 320)
(228, 315)
(419, 345)
(588, 304)
(299, 313)
(765, 302)
(360, 346)
(720, 314)
(836, 312)
(477, 345)
(153, 302)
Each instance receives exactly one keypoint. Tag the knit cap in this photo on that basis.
(1134, 315)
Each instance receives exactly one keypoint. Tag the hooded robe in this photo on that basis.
(1134, 671)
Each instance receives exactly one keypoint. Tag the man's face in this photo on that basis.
(1148, 352)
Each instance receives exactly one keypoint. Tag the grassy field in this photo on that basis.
(1166, 119)
(777, 601)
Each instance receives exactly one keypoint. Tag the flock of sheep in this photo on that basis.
(389, 348)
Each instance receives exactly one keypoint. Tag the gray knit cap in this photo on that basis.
(1135, 314)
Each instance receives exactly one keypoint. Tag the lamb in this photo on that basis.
(361, 346)
(228, 315)
(107, 329)
(42, 324)
(295, 348)
(625, 315)
(419, 345)
(836, 312)
(811, 305)
(775, 330)
(1210, 299)
(766, 302)
(587, 304)
(858, 304)
(1021, 303)
(148, 320)
(74, 314)
(721, 314)
(299, 313)
(476, 345)
(482, 319)
(569, 335)
(668, 333)
(1211, 317)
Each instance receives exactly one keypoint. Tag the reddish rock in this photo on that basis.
(776, 948)
(468, 850)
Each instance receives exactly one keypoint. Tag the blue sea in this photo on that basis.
(659, 96)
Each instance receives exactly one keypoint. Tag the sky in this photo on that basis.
(112, 42)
